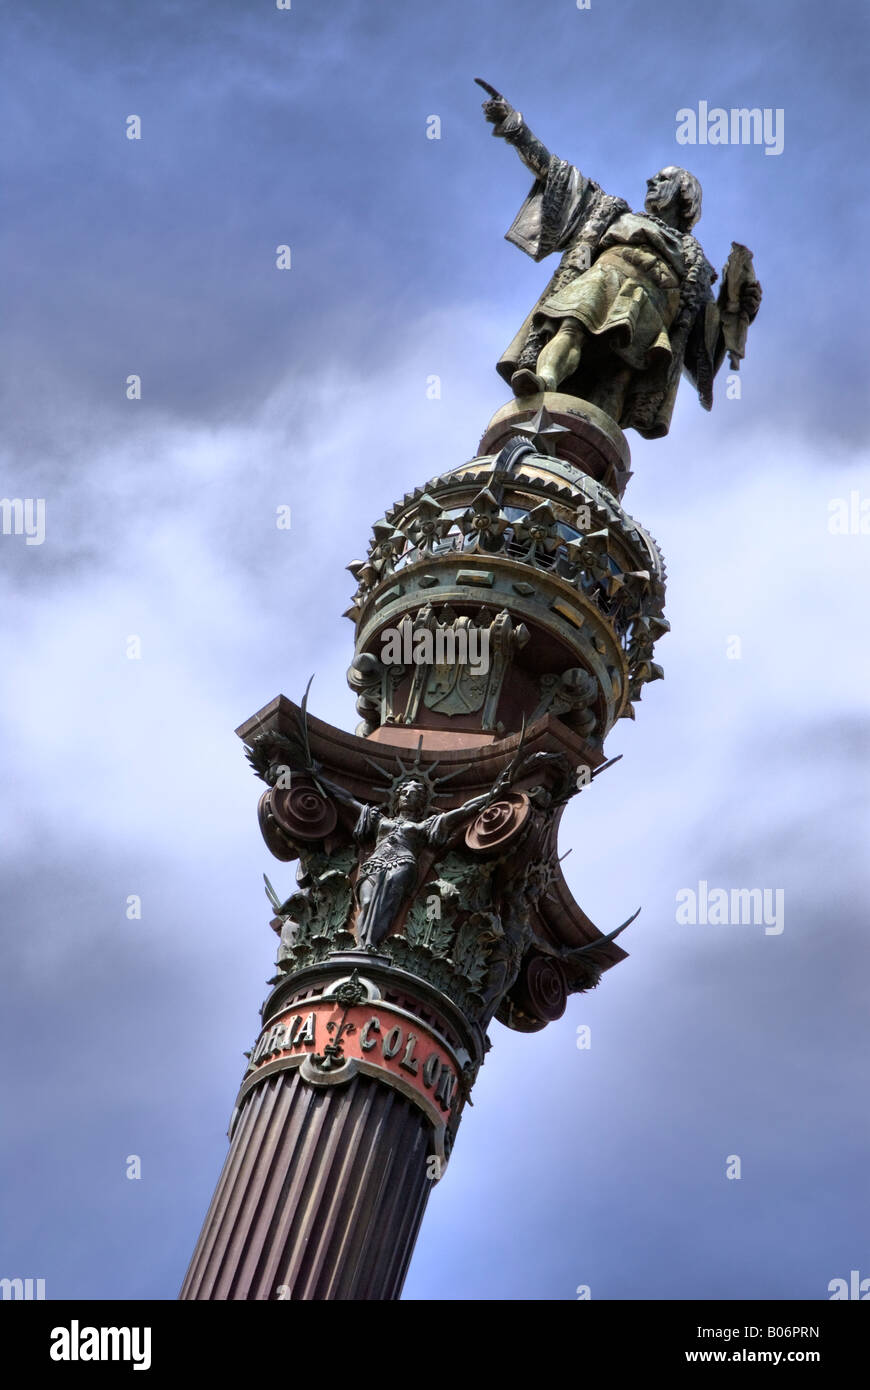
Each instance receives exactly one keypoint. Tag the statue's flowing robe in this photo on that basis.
(392, 867)
(622, 275)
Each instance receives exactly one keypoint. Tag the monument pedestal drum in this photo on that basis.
(506, 616)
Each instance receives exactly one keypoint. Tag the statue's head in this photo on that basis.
(676, 191)
(412, 798)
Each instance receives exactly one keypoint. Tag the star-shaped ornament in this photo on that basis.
(542, 430)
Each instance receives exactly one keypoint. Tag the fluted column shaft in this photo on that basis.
(321, 1195)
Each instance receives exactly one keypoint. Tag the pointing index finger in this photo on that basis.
(496, 96)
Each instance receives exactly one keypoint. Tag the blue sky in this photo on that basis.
(261, 127)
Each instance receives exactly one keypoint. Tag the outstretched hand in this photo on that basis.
(497, 109)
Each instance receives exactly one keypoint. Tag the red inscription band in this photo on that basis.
(399, 1048)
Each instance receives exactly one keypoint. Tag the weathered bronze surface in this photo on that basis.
(630, 305)
(444, 864)
(533, 551)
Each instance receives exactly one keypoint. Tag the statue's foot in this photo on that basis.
(526, 383)
(366, 947)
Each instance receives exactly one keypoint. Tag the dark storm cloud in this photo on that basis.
(307, 127)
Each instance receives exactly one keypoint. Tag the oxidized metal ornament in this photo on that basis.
(302, 811)
(499, 825)
(272, 833)
(541, 989)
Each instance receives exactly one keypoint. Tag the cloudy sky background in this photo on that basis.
(307, 388)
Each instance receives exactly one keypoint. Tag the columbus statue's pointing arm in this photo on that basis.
(509, 125)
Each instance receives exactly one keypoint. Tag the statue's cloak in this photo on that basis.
(567, 212)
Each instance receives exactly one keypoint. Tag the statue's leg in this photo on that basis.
(524, 381)
(365, 892)
(561, 356)
(394, 886)
(611, 396)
